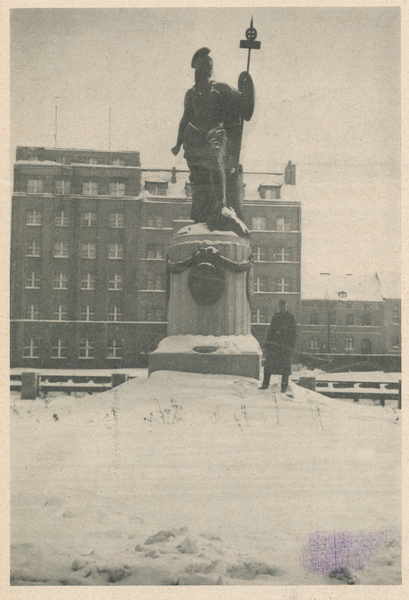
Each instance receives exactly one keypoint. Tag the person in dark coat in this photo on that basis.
(279, 347)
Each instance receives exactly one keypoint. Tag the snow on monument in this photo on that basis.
(209, 264)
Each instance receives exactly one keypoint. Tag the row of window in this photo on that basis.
(278, 254)
(87, 313)
(67, 160)
(280, 284)
(281, 224)
(348, 343)
(59, 349)
(117, 220)
(117, 189)
(115, 251)
(88, 219)
(154, 282)
(350, 318)
(331, 319)
(61, 250)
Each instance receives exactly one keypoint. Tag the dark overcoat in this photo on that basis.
(280, 344)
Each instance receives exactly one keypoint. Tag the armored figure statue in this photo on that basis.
(210, 131)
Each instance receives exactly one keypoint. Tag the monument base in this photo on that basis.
(219, 355)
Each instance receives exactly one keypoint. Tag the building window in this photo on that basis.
(315, 318)
(342, 294)
(396, 342)
(88, 282)
(260, 255)
(154, 314)
(62, 219)
(60, 282)
(62, 187)
(314, 343)
(118, 163)
(89, 219)
(271, 192)
(88, 251)
(283, 224)
(35, 186)
(366, 320)
(154, 281)
(349, 319)
(115, 313)
(283, 284)
(32, 281)
(33, 249)
(87, 313)
(58, 349)
(188, 190)
(61, 250)
(60, 313)
(332, 318)
(156, 188)
(117, 220)
(115, 283)
(32, 312)
(258, 223)
(396, 315)
(154, 251)
(349, 343)
(33, 217)
(260, 284)
(258, 316)
(116, 251)
(31, 349)
(117, 189)
(155, 221)
(114, 349)
(282, 254)
(90, 188)
(87, 349)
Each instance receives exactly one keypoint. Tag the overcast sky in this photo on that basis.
(327, 85)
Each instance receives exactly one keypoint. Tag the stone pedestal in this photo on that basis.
(209, 317)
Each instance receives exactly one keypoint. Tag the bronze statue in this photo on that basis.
(211, 131)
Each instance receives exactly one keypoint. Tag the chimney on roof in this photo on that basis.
(289, 174)
(173, 180)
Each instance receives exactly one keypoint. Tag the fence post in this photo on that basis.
(400, 394)
(118, 379)
(307, 382)
(29, 386)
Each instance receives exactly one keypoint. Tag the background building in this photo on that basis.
(352, 315)
(88, 243)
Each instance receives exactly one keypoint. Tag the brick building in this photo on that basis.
(88, 244)
(351, 315)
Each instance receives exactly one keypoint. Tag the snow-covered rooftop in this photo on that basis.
(252, 182)
(390, 284)
(331, 287)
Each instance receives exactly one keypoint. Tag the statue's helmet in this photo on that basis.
(199, 54)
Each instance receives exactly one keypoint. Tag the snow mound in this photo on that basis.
(223, 344)
(192, 479)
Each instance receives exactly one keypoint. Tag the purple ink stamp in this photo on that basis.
(340, 553)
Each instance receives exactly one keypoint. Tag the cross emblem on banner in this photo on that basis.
(250, 42)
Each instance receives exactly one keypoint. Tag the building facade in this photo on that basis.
(88, 254)
(351, 315)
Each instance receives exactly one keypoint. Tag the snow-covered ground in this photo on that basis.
(190, 479)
